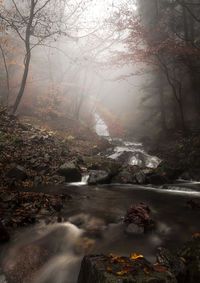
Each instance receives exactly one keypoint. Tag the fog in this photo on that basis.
(91, 55)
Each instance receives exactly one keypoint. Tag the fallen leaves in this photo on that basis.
(23, 208)
(121, 266)
(135, 256)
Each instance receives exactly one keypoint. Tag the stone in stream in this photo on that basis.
(18, 172)
(98, 177)
(97, 268)
(133, 229)
(139, 216)
(70, 171)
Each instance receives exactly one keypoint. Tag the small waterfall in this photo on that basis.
(135, 153)
(100, 127)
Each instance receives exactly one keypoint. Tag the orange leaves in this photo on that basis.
(146, 270)
(196, 235)
(134, 256)
(122, 272)
(108, 268)
(116, 258)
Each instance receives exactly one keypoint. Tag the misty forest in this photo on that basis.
(99, 141)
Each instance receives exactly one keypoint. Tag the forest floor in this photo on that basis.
(31, 154)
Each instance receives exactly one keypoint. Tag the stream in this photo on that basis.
(93, 224)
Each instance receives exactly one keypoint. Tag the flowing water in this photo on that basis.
(93, 224)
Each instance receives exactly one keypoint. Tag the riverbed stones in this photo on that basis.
(70, 171)
(94, 269)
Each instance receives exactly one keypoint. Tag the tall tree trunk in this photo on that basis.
(7, 75)
(27, 57)
(162, 105)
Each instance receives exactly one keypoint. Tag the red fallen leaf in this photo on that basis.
(159, 267)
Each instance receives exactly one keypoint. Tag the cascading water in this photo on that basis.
(134, 150)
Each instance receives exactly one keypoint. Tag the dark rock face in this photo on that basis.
(98, 177)
(173, 263)
(70, 171)
(18, 172)
(140, 178)
(156, 179)
(4, 236)
(94, 269)
(192, 174)
(123, 177)
(170, 173)
(190, 251)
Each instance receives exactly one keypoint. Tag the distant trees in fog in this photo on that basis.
(164, 39)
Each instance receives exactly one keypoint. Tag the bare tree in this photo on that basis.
(36, 21)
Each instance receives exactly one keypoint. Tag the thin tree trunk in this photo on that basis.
(27, 58)
(162, 111)
(7, 75)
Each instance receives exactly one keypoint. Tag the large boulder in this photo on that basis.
(70, 171)
(98, 177)
(17, 172)
(115, 269)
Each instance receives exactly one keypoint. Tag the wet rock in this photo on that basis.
(156, 179)
(123, 177)
(190, 252)
(57, 179)
(140, 178)
(4, 235)
(134, 229)
(168, 172)
(98, 177)
(173, 263)
(192, 174)
(70, 171)
(18, 172)
(94, 269)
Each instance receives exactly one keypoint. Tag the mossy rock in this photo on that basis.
(93, 270)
